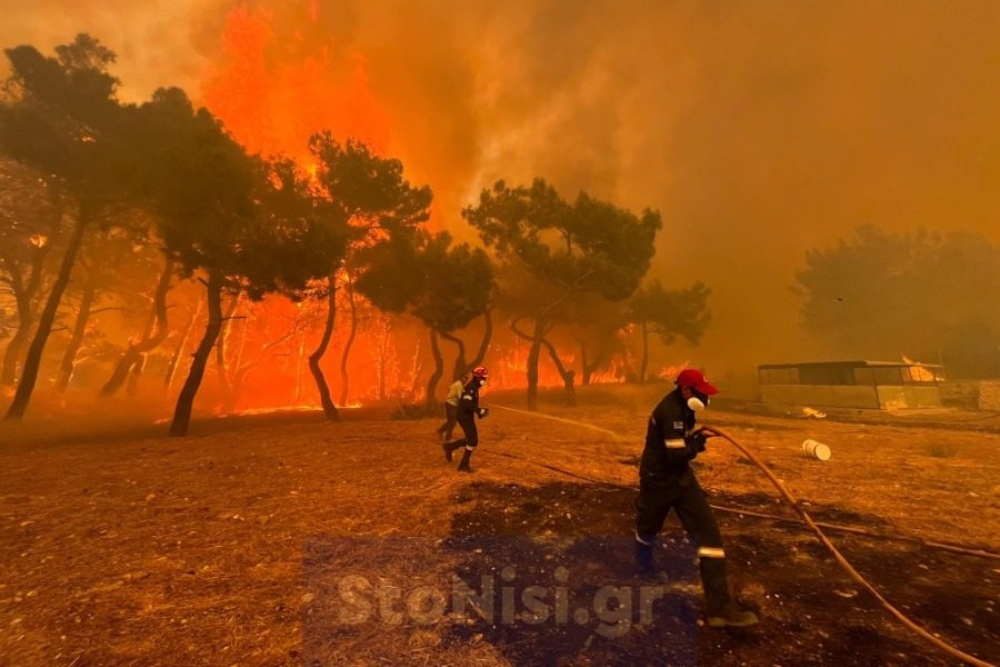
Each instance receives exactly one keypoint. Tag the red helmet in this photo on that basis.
(481, 372)
(695, 379)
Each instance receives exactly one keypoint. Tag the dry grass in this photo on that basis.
(129, 548)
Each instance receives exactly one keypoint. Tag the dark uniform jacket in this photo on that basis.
(468, 402)
(671, 441)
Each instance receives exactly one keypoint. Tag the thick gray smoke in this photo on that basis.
(758, 129)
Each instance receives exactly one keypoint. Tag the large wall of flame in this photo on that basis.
(758, 129)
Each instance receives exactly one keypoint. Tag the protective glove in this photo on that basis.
(696, 441)
(482, 412)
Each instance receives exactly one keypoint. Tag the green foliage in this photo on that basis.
(554, 254)
(253, 221)
(929, 297)
(298, 228)
(390, 276)
(586, 246)
(456, 284)
(672, 313)
(200, 182)
(60, 116)
(369, 190)
(385, 212)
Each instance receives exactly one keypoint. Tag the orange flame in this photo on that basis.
(276, 85)
(273, 91)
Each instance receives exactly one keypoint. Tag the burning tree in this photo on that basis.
(154, 332)
(331, 234)
(552, 252)
(30, 224)
(60, 116)
(237, 222)
(596, 326)
(384, 212)
(458, 287)
(668, 314)
(445, 286)
(107, 257)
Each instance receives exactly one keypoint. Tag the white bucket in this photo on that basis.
(816, 450)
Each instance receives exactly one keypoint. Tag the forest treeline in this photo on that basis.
(154, 215)
(143, 248)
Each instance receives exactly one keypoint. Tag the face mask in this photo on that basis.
(697, 404)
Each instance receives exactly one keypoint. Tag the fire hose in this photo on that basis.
(820, 535)
(841, 560)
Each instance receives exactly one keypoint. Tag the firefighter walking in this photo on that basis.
(667, 482)
(445, 430)
(468, 412)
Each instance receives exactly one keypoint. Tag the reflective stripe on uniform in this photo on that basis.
(675, 444)
(711, 552)
(642, 541)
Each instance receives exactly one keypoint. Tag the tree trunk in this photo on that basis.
(24, 296)
(329, 409)
(133, 357)
(33, 361)
(461, 365)
(533, 353)
(344, 377)
(484, 344)
(535, 338)
(79, 331)
(220, 349)
(185, 401)
(645, 353)
(242, 369)
(438, 370)
(175, 360)
(297, 398)
(591, 363)
(236, 382)
(12, 355)
(411, 391)
(568, 375)
(383, 355)
(132, 388)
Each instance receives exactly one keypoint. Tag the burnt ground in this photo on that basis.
(814, 613)
(286, 540)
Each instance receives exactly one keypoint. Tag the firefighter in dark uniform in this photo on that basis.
(445, 430)
(667, 482)
(468, 412)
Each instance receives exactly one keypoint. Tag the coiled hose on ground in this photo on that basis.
(808, 521)
(841, 560)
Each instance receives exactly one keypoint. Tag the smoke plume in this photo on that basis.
(758, 129)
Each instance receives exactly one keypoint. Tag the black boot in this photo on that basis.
(643, 556)
(721, 611)
(644, 566)
(464, 465)
(731, 616)
(450, 447)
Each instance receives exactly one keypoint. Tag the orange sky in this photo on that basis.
(758, 129)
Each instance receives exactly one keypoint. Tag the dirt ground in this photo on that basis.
(288, 540)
